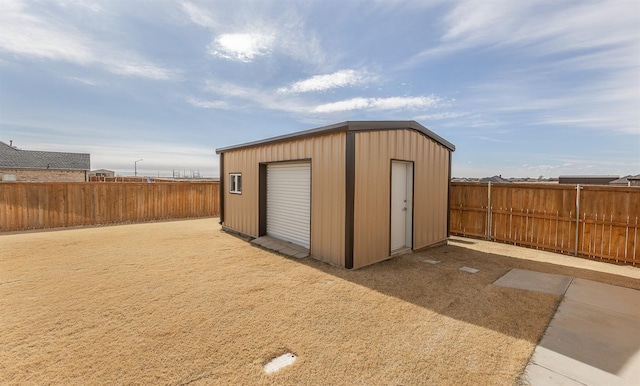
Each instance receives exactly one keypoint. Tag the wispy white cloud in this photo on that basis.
(539, 27)
(490, 139)
(606, 103)
(132, 66)
(565, 43)
(242, 47)
(206, 104)
(26, 35)
(346, 105)
(86, 4)
(90, 82)
(294, 104)
(391, 103)
(342, 78)
(257, 29)
(248, 97)
(440, 116)
(198, 15)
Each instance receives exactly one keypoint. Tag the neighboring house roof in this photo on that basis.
(496, 179)
(348, 126)
(102, 171)
(10, 157)
(460, 179)
(587, 179)
(625, 180)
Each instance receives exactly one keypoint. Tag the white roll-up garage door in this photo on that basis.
(289, 202)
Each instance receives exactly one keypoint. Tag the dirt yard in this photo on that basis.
(184, 303)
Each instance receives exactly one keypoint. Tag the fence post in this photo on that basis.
(575, 249)
(488, 232)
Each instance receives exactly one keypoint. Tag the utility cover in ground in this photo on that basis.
(279, 362)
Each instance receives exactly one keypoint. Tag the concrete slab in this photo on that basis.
(592, 339)
(469, 270)
(613, 298)
(592, 335)
(261, 242)
(535, 281)
(433, 262)
(631, 369)
(537, 375)
(276, 247)
(281, 246)
(288, 251)
(563, 370)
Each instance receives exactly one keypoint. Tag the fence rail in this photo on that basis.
(588, 221)
(26, 206)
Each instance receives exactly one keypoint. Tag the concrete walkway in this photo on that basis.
(594, 337)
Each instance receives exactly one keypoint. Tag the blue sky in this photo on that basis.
(522, 88)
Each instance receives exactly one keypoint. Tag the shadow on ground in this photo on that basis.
(471, 298)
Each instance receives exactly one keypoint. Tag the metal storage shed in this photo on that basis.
(353, 193)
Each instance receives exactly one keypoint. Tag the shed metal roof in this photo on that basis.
(345, 127)
(10, 157)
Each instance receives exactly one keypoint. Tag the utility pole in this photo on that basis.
(135, 167)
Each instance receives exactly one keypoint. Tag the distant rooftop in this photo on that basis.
(625, 180)
(14, 158)
(495, 179)
(590, 176)
(587, 179)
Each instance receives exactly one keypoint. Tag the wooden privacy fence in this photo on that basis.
(598, 222)
(589, 221)
(49, 205)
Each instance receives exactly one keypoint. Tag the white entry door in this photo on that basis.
(401, 205)
(289, 202)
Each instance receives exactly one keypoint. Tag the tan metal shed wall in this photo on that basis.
(327, 154)
(374, 152)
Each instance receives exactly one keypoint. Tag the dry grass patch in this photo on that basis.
(184, 303)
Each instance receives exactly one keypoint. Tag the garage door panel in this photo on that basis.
(289, 202)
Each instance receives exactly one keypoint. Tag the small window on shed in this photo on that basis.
(235, 183)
